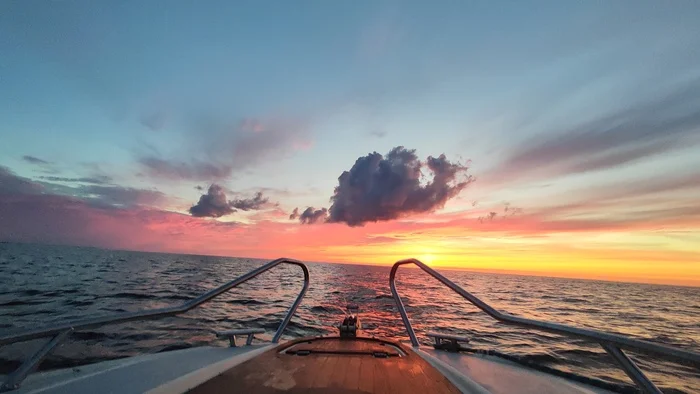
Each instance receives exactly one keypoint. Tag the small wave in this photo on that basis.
(665, 339)
(138, 337)
(51, 293)
(175, 297)
(265, 302)
(178, 297)
(21, 303)
(320, 309)
(574, 300)
(582, 353)
(592, 311)
(117, 309)
(77, 303)
(91, 335)
(32, 313)
(134, 296)
(246, 302)
(541, 358)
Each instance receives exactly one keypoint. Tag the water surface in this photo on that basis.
(46, 284)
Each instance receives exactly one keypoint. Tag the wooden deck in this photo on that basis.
(343, 366)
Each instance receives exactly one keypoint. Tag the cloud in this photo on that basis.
(154, 121)
(10, 183)
(255, 140)
(96, 195)
(56, 219)
(379, 188)
(214, 203)
(628, 135)
(178, 170)
(294, 215)
(46, 167)
(625, 197)
(229, 147)
(34, 160)
(378, 133)
(488, 217)
(247, 204)
(103, 216)
(312, 215)
(97, 179)
(122, 196)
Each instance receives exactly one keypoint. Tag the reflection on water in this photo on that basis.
(45, 284)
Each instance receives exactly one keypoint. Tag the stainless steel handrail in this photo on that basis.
(61, 331)
(611, 343)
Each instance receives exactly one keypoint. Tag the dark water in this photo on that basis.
(44, 284)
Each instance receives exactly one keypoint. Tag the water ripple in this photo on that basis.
(48, 284)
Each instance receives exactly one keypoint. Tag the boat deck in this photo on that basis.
(344, 366)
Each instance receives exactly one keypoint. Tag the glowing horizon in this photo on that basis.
(472, 136)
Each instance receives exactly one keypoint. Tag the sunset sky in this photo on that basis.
(549, 138)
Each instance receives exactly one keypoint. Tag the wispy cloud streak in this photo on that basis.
(626, 136)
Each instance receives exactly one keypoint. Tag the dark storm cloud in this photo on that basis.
(34, 160)
(387, 187)
(214, 203)
(623, 137)
(312, 215)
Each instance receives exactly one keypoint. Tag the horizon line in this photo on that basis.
(533, 274)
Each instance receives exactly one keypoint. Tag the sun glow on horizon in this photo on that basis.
(427, 258)
(369, 152)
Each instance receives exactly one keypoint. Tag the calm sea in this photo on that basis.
(42, 285)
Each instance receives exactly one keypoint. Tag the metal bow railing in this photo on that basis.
(62, 331)
(613, 344)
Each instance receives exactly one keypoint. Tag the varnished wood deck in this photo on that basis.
(334, 365)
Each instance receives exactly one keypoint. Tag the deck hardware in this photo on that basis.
(231, 335)
(612, 343)
(61, 331)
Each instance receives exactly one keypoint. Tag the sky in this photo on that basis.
(547, 138)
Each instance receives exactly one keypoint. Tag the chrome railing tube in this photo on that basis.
(612, 343)
(61, 331)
